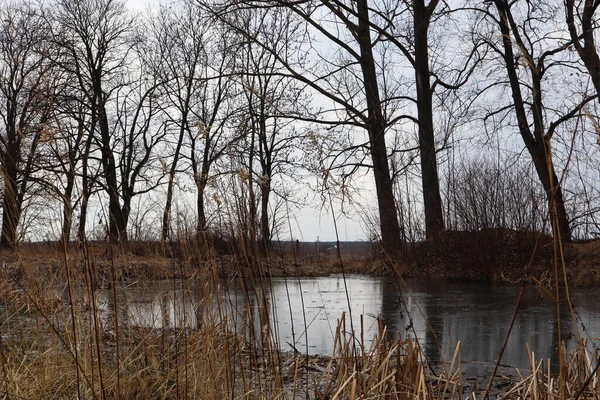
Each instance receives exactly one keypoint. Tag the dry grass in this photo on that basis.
(385, 370)
(54, 345)
(578, 377)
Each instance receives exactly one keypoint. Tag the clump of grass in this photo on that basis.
(386, 368)
(578, 377)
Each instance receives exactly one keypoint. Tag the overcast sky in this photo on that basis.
(141, 4)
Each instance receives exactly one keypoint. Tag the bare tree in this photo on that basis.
(27, 95)
(209, 138)
(349, 35)
(196, 65)
(94, 35)
(432, 201)
(62, 156)
(101, 52)
(271, 102)
(179, 37)
(528, 56)
(413, 41)
(137, 133)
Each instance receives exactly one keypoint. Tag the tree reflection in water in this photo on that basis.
(477, 314)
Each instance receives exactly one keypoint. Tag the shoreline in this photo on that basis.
(486, 256)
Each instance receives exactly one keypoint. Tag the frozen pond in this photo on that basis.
(303, 313)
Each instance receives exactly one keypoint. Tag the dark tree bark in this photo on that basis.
(117, 228)
(434, 219)
(87, 182)
(265, 158)
(65, 235)
(265, 152)
(201, 182)
(537, 141)
(11, 213)
(265, 223)
(166, 220)
(249, 223)
(388, 217)
(201, 168)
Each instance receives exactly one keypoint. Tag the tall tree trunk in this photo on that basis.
(85, 185)
(10, 208)
(265, 158)
(201, 226)
(251, 219)
(542, 160)
(67, 208)
(265, 191)
(125, 212)
(536, 142)
(117, 223)
(85, 194)
(201, 183)
(388, 218)
(71, 175)
(166, 222)
(432, 201)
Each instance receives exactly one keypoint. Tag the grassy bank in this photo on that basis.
(488, 255)
(55, 344)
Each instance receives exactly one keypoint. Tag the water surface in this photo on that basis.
(303, 314)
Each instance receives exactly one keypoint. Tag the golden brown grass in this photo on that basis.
(53, 345)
